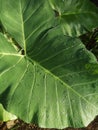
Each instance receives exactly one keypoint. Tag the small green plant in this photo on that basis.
(47, 76)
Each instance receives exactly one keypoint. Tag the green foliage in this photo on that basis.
(4, 115)
(47, 76)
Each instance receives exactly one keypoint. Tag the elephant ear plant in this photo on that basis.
(47, 76)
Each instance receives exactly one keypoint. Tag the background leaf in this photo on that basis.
(75, 17)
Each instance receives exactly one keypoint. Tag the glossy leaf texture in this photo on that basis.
(75, 17)
(54, 83)
(25, 20)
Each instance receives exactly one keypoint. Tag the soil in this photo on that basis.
(21, 125)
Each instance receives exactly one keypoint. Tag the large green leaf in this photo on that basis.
(55, 82)
(50, 90)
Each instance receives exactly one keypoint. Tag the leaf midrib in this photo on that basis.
(22, 22)
(62, 82)
(77, 13)
(49, 72)
(53, 75)
(11, 54)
